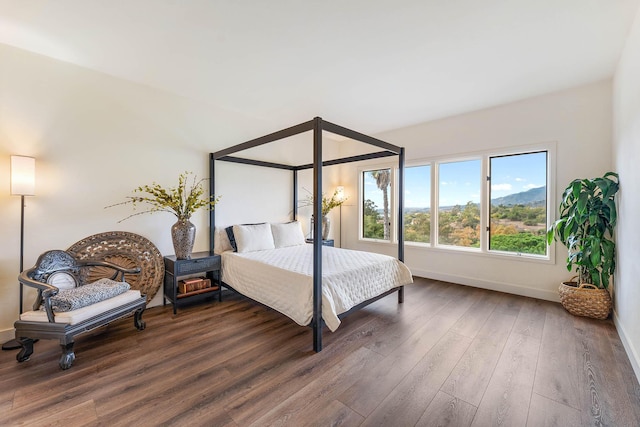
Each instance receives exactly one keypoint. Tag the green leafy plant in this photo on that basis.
(587, 219)
(328, 203)
(182, 201)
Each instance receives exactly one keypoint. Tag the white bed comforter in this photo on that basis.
(283, 279)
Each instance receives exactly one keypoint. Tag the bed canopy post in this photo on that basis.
(295, 195)
(318, 126)
(317, 235)
(212, 214)
(401, 216)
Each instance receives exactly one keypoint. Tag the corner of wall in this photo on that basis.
(634, 356)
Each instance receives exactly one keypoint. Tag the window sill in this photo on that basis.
(476, 252)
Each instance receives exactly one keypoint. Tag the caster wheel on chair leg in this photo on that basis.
(68, 356)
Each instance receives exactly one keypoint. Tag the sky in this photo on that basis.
(459, 182)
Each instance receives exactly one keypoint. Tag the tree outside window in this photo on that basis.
(459, 203)
(376, 210)
(417, 206)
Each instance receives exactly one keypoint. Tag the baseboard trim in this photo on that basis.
(7, 334)
(632, 354)
(493, 286)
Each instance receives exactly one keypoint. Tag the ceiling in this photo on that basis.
(371, 65)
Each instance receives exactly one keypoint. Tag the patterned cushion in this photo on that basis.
(82, 296)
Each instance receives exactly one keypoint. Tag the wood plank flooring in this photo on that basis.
(449, 356)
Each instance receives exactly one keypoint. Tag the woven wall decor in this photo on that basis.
(127, 250)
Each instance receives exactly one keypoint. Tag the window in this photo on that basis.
(376, 204)
(518, 209)
(417, 204)
(459, 203)
(487, 203)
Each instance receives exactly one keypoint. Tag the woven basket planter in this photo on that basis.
(585, 300)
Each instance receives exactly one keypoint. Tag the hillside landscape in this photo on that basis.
(518, 223)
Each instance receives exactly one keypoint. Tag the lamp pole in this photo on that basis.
(21, 248)
(340, 225)
(23, 184)
(13, 344)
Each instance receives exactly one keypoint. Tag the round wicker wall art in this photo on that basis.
(127, 250)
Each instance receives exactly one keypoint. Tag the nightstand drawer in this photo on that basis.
(197, 265)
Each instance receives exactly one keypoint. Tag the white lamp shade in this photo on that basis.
(23, 176)
(340, 192)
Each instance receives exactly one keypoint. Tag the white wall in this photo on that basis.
(626, 153)
(578, 121)
(96, 138)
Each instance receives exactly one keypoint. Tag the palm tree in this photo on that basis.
(383, 179)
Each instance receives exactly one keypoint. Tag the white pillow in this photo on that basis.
(250, 238)
(289, 234)
(221, 241)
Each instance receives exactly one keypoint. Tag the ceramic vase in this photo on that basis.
(183, 234)
(326, 226)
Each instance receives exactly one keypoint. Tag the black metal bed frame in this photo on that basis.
(317, 125)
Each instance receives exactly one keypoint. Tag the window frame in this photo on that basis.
(488, 208)
(485, 205)
(431, 198)
(392, 202)
(436, 188)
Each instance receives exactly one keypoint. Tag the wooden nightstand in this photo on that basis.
(329, 242)
(200, 262)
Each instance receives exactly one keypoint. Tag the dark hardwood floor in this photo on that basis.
(450, 355)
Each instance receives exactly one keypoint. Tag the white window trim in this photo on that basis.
(550, 148)
(433, 162)
(393, 167)
(413, 164)
(435, 213)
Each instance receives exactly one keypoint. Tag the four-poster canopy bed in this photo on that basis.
(317, 125)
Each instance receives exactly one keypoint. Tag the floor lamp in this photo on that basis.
(23, 179)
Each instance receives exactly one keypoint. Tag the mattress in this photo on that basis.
(283, 279)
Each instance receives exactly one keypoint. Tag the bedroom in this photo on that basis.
(98, 134)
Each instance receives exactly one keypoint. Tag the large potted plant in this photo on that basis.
(587, 219)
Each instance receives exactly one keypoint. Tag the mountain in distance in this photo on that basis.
(534, 197)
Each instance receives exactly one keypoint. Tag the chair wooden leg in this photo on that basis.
(68, 356)
(137, 319)
(26, 351)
